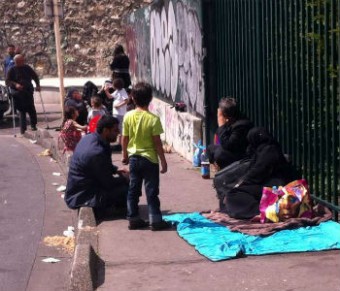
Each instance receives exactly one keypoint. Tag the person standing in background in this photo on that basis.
(9, 59)
(120, 65)
(19, 79)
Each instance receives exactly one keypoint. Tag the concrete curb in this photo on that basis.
(85, 260)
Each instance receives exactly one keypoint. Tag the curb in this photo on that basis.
(83, 275)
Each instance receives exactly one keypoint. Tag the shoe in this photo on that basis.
(138, 224)
(162, 225)
(34, 128)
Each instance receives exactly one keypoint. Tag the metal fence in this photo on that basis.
(280, 59)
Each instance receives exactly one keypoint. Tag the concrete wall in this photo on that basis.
(181, 129)
(164, 43)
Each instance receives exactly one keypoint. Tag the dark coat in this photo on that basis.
(79, 105)
(120, 69)
(233, 143)
(269, 167)
(23, 75)
(90, 173)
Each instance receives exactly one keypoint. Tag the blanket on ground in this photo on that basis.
(217, 242)
(254, 227)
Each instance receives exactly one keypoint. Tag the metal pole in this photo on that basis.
(59, 55)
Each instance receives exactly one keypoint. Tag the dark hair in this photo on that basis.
(118, 83)
(118, 49)
(142, 94)
(97, 101)
(229, 108)
(106, 121)
(11, 45)
(71, 91)
(68, 114)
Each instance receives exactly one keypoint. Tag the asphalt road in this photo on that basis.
(30, 210)
(22, 210)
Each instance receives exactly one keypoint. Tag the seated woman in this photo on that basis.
(232, 133)
(268, 167)
(75, 99)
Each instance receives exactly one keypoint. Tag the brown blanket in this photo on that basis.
(254, 227)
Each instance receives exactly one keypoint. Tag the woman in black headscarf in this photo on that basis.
(120, 65)
(269, 167)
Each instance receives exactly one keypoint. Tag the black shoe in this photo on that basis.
(162, 225)
(34, 128)
(138, 224)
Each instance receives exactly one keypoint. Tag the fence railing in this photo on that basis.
(280, 59)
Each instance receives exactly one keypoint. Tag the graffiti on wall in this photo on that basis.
(176, 54)
(164, 43)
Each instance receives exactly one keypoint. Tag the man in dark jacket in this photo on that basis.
(19, 79)
(93, 180)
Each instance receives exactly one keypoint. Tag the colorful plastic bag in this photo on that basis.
(280, 204)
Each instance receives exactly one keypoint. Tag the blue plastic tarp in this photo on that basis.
(216, 242)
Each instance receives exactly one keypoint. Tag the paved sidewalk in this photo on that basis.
(146, 260)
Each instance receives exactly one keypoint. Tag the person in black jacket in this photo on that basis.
(269, 167)
(232, 134)
(90, 180)
(19, 78)
(120, 66)
(75, 99)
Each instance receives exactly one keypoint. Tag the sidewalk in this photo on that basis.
(146, 260)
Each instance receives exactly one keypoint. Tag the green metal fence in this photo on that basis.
(280, 59)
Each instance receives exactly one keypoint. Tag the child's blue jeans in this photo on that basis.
(141, 169)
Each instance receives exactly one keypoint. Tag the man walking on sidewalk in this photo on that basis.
(19, 78)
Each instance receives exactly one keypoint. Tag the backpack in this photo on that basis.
(89, 90)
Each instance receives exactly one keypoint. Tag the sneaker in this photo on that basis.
(34, 128)
(138, 224)
(162, 225)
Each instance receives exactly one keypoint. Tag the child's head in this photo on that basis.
(96, 102)
(70, 113)
(118, 84)
(229, 108)
(142, 94)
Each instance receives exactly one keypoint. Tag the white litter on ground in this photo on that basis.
(50, 260)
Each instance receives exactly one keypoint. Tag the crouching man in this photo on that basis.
(93, 181)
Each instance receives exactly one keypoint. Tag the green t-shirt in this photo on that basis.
(140, 127)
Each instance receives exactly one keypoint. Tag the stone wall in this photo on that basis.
(89, 30)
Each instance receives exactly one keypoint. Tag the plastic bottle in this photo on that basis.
(205, 165)
(275, 190)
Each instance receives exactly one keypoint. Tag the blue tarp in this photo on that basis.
(217, 242)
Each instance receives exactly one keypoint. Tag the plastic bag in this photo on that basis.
(280, 204)
(196, 159)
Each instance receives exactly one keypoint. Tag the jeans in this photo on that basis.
(141, 169)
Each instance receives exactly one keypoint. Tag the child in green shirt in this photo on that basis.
(142, 147)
